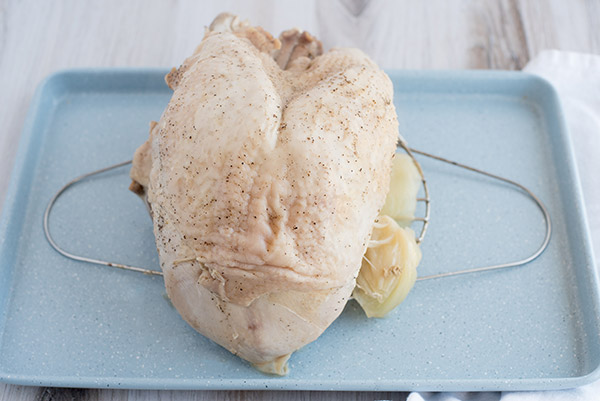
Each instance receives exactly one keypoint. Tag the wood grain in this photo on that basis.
(501, 33)
(38, 38)
(66, 394)
(13, 392)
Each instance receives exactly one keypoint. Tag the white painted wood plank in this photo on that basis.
(401, 34)
(39, 37)
(564, 25)
(259, 395)
(17, 393)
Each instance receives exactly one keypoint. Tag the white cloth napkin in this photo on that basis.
(576, 77)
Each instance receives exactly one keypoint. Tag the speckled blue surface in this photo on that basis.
(64, 323)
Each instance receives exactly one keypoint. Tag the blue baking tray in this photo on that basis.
(66, 323)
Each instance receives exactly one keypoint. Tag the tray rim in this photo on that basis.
(17, 189)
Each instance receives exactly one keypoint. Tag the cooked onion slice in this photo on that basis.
(401, 200)
(389, 268)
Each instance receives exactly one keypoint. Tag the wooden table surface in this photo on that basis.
(38, 38)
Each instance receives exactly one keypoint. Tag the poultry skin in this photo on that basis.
(264, 177)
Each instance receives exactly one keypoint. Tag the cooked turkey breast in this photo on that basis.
(264, 177)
